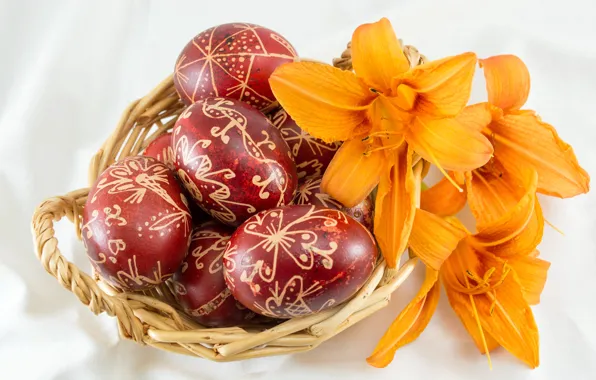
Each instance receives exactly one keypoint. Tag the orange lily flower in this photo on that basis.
(385, 111)
(520, 139)
(491, 278)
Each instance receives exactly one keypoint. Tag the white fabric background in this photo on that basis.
(67, 70)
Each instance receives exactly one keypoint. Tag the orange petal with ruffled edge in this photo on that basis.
(410, 323)
(522, 138)
(443, 199)
(377, 55)
(325, 101)
(530, 273)
(395, 205)
(352, 173)
(443, 86)
(507, 81)
(448, 144)
(463, 304)
(433, 238)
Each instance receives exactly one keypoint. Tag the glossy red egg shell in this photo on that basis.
(161, 149)
(312, 156)
(232, 160)
(199, 284)
(231, 60)
(136, 224)
(310, 193)
(297, 260)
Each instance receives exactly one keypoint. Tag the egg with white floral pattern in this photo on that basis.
(310, 193)
(232, 161)
(293, 261)
(312, 155)
(199, 284)
(136, 224)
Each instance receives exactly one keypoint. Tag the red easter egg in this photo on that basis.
(309, 193)
(161, 149)
(231, 159)
(231, 60)
(312, 156)
(297, 260)
(136, 224)
(199, 284)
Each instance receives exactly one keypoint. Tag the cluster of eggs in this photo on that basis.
(227, 207)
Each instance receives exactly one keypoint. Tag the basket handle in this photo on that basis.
(67, 274)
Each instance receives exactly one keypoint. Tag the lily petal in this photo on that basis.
(507, 81)
(352, 173)
(501, 310)
(530, 273)
(463, 304)
(478, 116)
(494, 191)
(522, 138)
(443, 199)
(377, 55)
(443, 86)
(449, 144)
(389, 123)
(395, 205)
(433, 238)
(518, 230)
(325, 101)
(517, 234)
(410, 323)
(507, 316)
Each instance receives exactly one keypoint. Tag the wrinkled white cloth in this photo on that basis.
(68, 69)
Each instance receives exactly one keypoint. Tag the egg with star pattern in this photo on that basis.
(233, 60)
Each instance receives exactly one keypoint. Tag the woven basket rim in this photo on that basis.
(150, 318)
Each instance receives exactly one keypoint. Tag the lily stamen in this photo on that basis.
(493, 303)
(554, 227)
(382, 133)
(393, 146)
(483, 285)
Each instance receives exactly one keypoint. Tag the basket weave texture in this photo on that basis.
(152, 317)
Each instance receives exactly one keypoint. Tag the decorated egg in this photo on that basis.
(136, 224)
(231, 159)
(297, 260)
(312, 156)
(199, 284)
(161, 150)
(310, 193)
(231, 60)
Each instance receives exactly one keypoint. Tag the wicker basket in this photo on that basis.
(152, 317)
